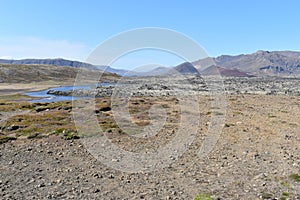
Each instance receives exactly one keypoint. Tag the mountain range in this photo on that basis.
(260, 63)
(263, 63)
(62, 62)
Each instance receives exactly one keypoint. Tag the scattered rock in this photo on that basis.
(13, 127)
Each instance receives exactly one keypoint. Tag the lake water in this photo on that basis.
(44, 97)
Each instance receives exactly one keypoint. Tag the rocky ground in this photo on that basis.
(191, 85)
(256, 157)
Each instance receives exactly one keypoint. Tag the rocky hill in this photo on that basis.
(17, 73)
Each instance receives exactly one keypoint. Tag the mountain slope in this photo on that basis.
(109, 69)
(216, 70)
(263, 63)
(12, 73)
(55, 62)
(63, 62)
(186, 68)
(260, 63)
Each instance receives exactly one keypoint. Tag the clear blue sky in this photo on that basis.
(71, 29)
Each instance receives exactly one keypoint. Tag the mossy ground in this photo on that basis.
(44, 119)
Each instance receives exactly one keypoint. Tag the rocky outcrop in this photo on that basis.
(192, 86)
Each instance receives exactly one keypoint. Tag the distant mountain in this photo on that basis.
(186, 68)
(159, 71)
(216, 70)
(63, 62)
(56, 62)
(261, 63)
(189, 69)
(109, 69)
(17, 73)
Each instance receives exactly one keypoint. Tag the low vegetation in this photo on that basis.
(295, 177)
(36, 120)
(203, 197)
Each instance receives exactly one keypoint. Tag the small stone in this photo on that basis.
(111, 176)
(41, 185)
(96, 190)
(96, 175)
(11, 162)
(13, 127)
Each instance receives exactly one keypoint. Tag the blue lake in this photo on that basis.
(44, 97)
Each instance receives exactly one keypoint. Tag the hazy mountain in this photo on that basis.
(109, 69)
(159, 71)
(260, 63)
(217, 70)
(56, 62)
(186, 68)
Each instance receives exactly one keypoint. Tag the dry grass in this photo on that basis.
(261, 116)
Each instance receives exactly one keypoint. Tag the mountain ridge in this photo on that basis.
(259, 63)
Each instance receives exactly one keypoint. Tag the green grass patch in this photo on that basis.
(285, 184)
(295, 177)
(14, 97)
(271, 115)
(266, 196)
(229, 125)
(67, 134)
(203, 197)
(286, 194)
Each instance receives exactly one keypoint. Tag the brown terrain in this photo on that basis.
(18, 78)
(43, 156)
(256, 157)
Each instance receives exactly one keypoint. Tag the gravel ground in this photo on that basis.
(256, 157)
(191, 85)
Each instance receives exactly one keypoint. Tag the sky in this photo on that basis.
(73, 29)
